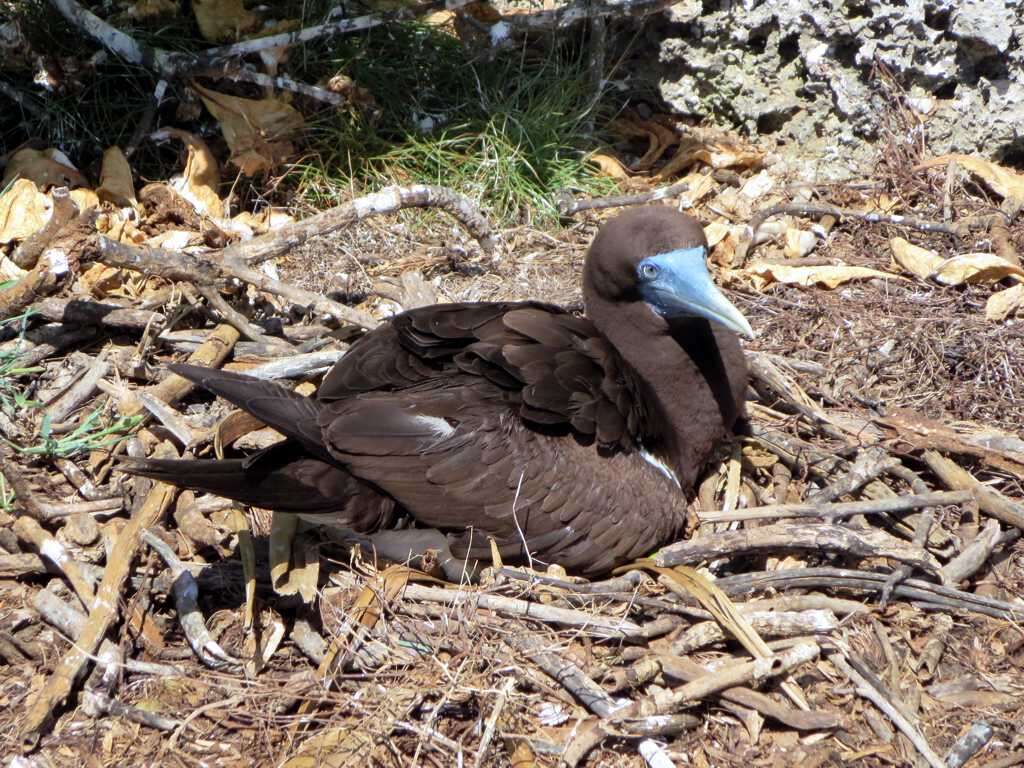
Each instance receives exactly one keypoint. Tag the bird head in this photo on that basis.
(657, 255)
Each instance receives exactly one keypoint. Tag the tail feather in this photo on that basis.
(289, 413)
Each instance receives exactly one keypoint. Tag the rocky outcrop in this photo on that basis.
(806, 71)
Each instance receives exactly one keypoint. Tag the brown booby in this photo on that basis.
(578, 438)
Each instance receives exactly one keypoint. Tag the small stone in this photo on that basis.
(81, 529)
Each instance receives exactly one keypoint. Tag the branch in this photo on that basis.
(568, 205)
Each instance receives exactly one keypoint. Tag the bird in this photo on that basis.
(554, 438)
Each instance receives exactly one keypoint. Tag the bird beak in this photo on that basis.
(683, 288)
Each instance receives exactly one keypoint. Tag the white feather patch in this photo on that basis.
(661, 466)
(442, 429)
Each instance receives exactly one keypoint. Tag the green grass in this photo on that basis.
(91, 434)
(509, 132)
(12, 397)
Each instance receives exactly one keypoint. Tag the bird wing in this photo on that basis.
(550, 367)
(456, 462)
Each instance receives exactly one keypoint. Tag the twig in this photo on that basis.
(872, 694)
(178, 265)
(85, 384)
(241, 75)
(86, 312)
(25, 496)
(240, 322)
(837, 510)
(29, 531)
(492, 722)
(868, 581)
(101, 617)
(388, 200)
(970, 744)
(39, 281)
(787, 536)
(817, 210)
(990, 501)
(974, 555)
(186, 596)
(168, 417)
(568, 205)
(602, 626)
(296, 366)
(69, 620)
(767, 623)
(870, 463)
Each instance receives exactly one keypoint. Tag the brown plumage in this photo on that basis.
(512, 420)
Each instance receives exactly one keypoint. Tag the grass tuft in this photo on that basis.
(510, 131)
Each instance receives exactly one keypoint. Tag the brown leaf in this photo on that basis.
(143, 10)
(294, 557)
(223, 20)
(201, 177)
(1006, 183)
(609, 166)
(826, 276)
(256, 130)
(799, 242)
(1005, 303)
(976, 268)
(916, 260)
(116, 184)
(47, 168)
(23, 210)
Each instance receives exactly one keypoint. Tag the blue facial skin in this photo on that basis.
(678, 284)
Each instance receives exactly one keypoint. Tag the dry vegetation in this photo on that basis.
(898, 629)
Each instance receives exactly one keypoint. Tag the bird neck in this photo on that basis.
(680, 375)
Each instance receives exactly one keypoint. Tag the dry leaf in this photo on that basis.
(116, 184)
(1005, 303)
(333, 748)
(23, 210)
(976, 268)
(714, 151)
(715, 232)
(266, 220)
(916, 260)
(201, 177)
(223, 20)
(47, 168)
(826, 276)
(256, 130)
(799, 242)
(85, 199)
(99, 280)
(1006, 183)
(609, 166)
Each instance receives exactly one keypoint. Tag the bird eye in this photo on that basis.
(648, 271)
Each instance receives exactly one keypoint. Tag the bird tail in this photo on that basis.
(281, 478)
(290, 413)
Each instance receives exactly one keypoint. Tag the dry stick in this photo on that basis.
(64, 210)
(236, 319)
(211, 353)
(186, 596)
(730, 676)
(603, 626)
(25, 497)
(70, 621)
(86, 312)
(388, 200)
(786, 536)
(815, 210)
(974, 555)
(688, 670)
(583, 10)
(765, 623)
(872, 694)
(869, 464)
(168, 417)
(296, 366)
(868, 581)
(178, 265)
(71, 400)
(86, 488)
(30, 532)
(240, 75)
(839, 510)
(990, 501)
(103, 614)
(39, 281)
(492, 722)
(568, 205)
